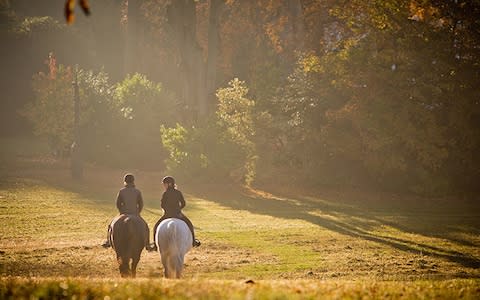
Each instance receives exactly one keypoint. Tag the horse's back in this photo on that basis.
(129, 230)
(174, 235)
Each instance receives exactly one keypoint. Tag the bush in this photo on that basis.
(201, 154)
(142, 107)
(221, 149)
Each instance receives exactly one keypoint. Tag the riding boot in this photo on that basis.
(106, 244)
(196, 243)
(149, 246)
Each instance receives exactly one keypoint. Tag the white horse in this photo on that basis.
(174, 240)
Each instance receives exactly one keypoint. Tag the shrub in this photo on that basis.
(201, 153)
(222, 148)
(143, 106)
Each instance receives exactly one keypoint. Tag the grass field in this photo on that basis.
(257, 243)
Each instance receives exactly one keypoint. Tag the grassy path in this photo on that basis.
(303, 244)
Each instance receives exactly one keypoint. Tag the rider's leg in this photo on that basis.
(195, 242)
(107, 244)
(155, 229)
(147, 237)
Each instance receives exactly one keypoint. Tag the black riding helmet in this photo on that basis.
(129, 178)
(169, 180)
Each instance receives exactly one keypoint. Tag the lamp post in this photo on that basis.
(76, 156)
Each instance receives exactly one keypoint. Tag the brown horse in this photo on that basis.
(128, 236)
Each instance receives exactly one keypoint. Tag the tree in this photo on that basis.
(222, 149)
(144, 106)
(52, 112)
(215, 8)
(183, 20)
(346, 92)
(134, 38)
(235, 118)
(379, 98)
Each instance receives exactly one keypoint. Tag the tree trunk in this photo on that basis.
(213, 41)
(182, 18)
(298, 23)
(133, 39)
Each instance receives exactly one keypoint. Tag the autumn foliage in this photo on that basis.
(378, 94)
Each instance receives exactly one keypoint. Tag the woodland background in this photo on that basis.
(343, 94)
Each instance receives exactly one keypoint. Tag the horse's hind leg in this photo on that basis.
(172, 270)
(166, 271)
(135, 261)
(168, 266)
(178, 266)
(134, 270)
(123, 267)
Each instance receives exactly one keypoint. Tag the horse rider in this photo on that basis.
(129, 202)
(172, 203)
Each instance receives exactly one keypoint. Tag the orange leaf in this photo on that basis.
(69, 6)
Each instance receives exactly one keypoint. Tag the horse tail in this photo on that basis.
(136, 229)
(171, 240)
(176, 250)
(128, 236)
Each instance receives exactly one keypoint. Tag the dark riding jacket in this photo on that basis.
(172, 202)
(129, 200)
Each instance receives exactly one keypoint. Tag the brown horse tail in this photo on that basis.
(135, 226)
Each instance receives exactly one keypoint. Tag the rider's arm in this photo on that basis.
(120, 202)
(182, 200)
(162, 202)
(139, 202)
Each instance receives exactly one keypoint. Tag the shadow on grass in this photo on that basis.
(355, 217)
(353, 221)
